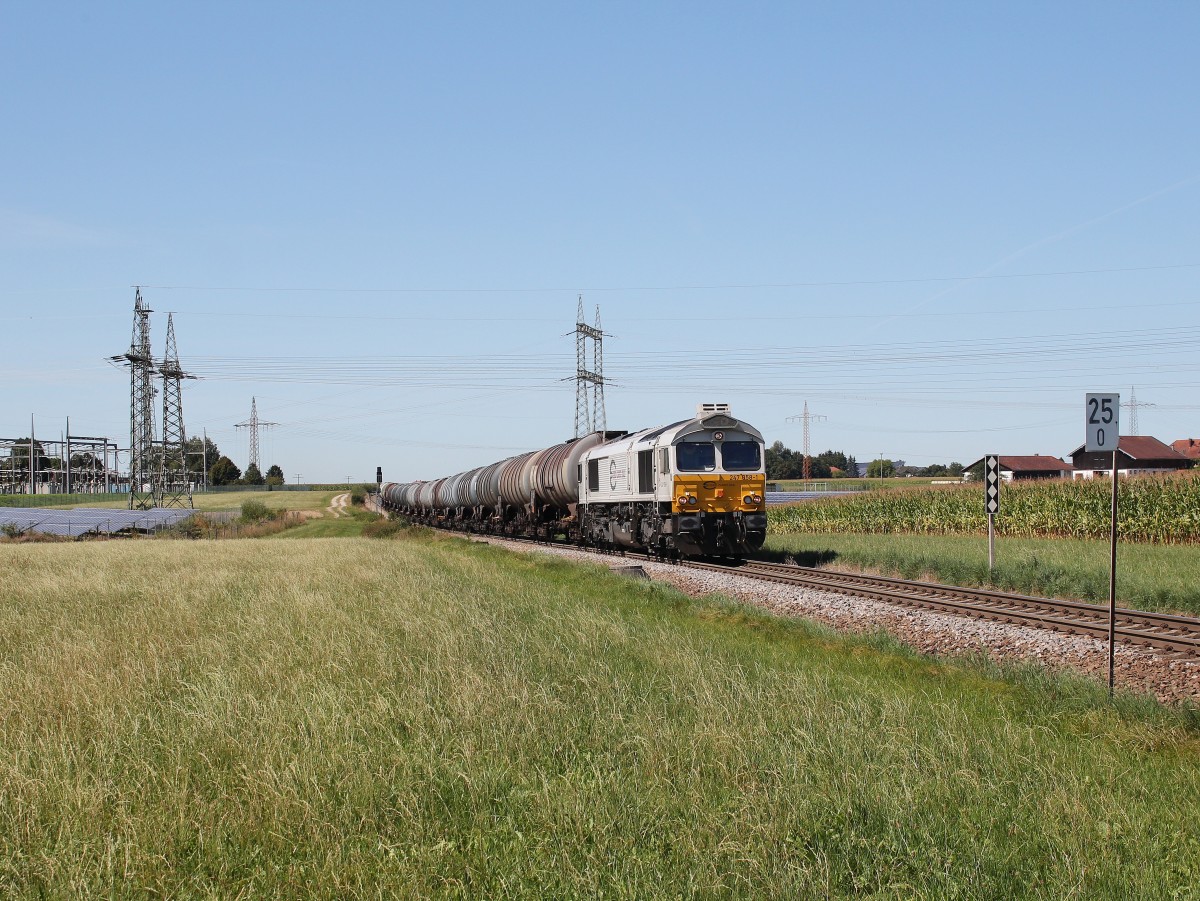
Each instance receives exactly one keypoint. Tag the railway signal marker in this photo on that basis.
(1102, 425)
(991, 501)
(1102, 415)
(991, 484)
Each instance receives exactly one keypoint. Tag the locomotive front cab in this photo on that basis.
(718, 504)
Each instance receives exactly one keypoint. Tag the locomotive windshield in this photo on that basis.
(739, 456)
(692, 456)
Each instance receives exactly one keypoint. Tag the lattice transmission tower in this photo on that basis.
(254, 424)
(174, 480)
(1133, 406)
(589, 417)
(143, 475)
(807, 418)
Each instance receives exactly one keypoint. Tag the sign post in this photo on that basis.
(991, 503)
(1102, 414)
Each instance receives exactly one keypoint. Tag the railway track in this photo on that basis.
(1168, 634)
(1174, 635)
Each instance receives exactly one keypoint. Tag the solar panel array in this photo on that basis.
(83, 521)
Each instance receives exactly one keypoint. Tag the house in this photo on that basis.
(1136, 455)
(1021, 469)
(1189, 447)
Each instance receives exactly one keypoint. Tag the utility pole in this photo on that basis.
(806, 418)
(1133, 411)
(175, 488)
(254, 424)
(143, 488)
(588, 418)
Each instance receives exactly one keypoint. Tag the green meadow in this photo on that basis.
(420, 717)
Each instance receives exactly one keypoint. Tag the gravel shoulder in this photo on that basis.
(1140, 670)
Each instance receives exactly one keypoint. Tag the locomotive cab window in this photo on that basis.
(740, 456)
(692, 456)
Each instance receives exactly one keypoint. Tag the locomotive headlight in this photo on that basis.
(692, 501)
(683, 500)
(758, 499)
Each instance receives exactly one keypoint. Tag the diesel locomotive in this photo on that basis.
(694, 488)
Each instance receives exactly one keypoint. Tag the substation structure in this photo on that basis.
(72, 464)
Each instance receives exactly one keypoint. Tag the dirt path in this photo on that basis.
(338, 506)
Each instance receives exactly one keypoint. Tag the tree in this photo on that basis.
(880, 469)
(253, 476)
(782, 463)
(224, 472)
(197, 451)
(18, 461)
(274, 475)
(86, 461)
(833, 459)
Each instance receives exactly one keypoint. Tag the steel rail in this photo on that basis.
(1178, 635)
(1169, 633)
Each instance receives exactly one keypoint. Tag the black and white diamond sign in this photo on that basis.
(991, 483)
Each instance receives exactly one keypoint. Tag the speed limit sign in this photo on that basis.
(1102, 418)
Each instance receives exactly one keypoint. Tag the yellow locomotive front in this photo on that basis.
(718, 502)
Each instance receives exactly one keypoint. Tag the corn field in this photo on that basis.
(1153, 509)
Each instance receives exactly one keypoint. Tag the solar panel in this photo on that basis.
(83, 520)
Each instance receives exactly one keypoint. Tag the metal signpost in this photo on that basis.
(1102, 414)
(991, 494)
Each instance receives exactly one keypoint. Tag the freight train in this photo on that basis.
(694, 488)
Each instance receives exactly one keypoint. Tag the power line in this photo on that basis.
(731, 286)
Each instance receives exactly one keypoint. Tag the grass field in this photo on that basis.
(414, 719)
(346, 526)
(63, 500)
(204, 501)
(1150, 577)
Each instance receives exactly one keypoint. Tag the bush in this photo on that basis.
(257, 511)
(358, 496)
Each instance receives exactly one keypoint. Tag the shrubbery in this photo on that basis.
(257, 511)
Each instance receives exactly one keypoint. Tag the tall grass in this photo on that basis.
(1159, 509)
(1149, 577)
(402, 719)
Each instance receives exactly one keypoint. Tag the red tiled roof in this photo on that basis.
(1142, 447)
(1189, 447)
(1035, 464)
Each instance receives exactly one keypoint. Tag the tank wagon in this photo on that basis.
(689, 489)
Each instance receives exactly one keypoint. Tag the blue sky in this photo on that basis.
(939, 224)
